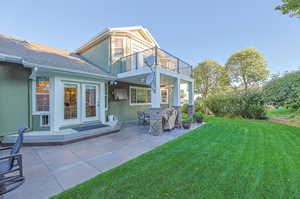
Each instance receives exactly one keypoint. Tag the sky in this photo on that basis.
(193, 30)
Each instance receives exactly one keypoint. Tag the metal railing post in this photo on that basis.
(178, 65)
(155, 52)
(136, 60)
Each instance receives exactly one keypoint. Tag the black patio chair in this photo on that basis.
(11, 169)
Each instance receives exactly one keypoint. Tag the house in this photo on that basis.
(118, 72)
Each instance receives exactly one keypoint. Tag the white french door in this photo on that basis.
(71, 99)
(90, 102)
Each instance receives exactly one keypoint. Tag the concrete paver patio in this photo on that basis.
(52, 169)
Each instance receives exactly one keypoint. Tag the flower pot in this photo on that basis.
(186, 125)
(199, 120)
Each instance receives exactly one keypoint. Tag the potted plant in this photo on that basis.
(198, 116)
(187, 122)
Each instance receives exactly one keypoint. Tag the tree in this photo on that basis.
(291, 7)
(247, 68)
(209, 77)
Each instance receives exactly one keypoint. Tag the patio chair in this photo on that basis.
(143, 117)
(140, 116)
(11, 169)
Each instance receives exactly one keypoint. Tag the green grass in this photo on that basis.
(226, 158)
(292, 116)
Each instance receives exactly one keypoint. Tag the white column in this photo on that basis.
(54, 104)
(191, 92)
(102, 102)
(155, 91)
(176, 93)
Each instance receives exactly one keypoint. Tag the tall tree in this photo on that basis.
(209, 77)
(291, 7)
(247, 68)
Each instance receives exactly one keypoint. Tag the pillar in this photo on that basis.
(176, 102)
(156, 127)
(191, 109)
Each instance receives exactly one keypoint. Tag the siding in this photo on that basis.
(99, 55)
(122, 109)
(14, 97)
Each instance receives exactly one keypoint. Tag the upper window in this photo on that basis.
(118, 46)
(164, 96)
(140, 95)
(41, 94)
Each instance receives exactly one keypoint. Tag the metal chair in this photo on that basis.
(140, 116)
(11, 169)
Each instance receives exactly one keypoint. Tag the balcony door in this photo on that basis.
(90, 105)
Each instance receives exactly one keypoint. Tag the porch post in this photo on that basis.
(101, 102)
(191, 108)
(155, 110)
(176, 102)
(54, 101)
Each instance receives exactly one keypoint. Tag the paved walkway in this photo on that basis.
(51, 170)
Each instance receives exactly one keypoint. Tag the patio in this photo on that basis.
(51, 169)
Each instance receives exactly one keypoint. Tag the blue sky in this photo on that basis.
(193, 30)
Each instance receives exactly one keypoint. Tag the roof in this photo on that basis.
(35, 54)
(106, 31)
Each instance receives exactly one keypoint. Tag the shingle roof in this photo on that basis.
(43, 55)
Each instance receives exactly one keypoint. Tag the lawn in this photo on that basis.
(226, 158)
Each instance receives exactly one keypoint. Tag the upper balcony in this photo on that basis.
(162, 58)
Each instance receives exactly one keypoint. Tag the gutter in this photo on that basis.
(33, 66)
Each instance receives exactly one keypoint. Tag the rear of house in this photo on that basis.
(50, 89)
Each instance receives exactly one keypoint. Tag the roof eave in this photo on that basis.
(20, 60)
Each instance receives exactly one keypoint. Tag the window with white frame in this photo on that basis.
(106, 96)
(118, 47)
(44, 120)
(41, 95)
(140, 96)
(164, 96)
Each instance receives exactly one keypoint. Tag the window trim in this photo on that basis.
(164, 89)
(137, 104)
(34, 93)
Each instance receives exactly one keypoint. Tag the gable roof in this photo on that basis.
(137, 31)
(34, 54)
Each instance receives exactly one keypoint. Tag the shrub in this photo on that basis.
(184, 108)
(250, 105)
(184, 116)
(198, 115)
(284, 91)
(224, 104)
(188, 119)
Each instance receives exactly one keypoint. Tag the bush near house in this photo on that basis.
(248, 105)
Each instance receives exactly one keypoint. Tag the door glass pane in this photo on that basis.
(70, 101)
(90, 101)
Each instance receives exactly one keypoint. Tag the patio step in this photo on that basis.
(66, 136)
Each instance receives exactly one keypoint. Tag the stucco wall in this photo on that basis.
(14, 97)
(122, 109)
(99, 54)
